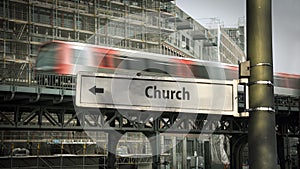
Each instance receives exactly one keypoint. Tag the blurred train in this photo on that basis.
(67, 58)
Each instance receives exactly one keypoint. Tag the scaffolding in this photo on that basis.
(156, 26)
(132, 24)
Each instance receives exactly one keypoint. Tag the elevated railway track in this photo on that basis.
(37, 105)
(49, 106)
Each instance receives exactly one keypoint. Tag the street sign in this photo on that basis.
(152, 93)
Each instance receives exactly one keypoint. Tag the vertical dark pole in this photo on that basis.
(280, 149)
(113, 140)
(261, 136)
(154, 140)
(207, 155)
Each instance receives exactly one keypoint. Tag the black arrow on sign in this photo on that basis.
(96, 90)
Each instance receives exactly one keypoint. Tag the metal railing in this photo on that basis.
(55, 81)
(13, 76)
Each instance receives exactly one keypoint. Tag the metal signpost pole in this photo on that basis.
(261, 136)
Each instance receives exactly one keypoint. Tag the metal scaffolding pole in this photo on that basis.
(261, 136)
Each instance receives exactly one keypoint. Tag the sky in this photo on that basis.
(285, 20)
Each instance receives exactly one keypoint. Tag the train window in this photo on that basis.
(231, 74)
(105, 58)
(157, 67)
(281, 81)
(216, 73)
(137, 64)
(47, 55)
(278, 81)
(96, 57)
(105, 62)
(200, 71)
(125, 62)
(287, 81)
(117, 60)
(79, 57)
(183, 70)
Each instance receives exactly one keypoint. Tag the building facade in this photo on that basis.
(157, 26)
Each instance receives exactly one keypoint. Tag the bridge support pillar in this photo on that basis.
(154, 139)
(281, 151)
(207, 155)
(113, 140)
(174, 152)
(184, 154)
(237, 144)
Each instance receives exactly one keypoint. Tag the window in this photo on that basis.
(47, 55)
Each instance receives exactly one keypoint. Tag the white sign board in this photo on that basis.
(148, 93)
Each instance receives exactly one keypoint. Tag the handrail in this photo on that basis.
(11, 77)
